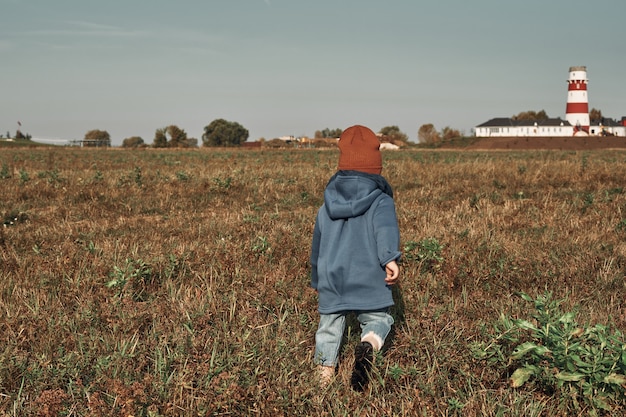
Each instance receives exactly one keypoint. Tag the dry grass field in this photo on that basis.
(562, 143)
(175, 283)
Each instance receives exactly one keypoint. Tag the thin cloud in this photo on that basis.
(98, 29)
(93, 26)
(84, 28)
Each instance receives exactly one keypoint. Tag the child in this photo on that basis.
(354, 254)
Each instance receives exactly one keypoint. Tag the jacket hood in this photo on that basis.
(351, 193)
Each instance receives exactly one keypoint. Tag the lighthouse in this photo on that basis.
(577, 111)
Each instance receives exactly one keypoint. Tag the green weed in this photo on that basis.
(135, 274)
(24, 177)
(585, 366)
(427, 252)
(4, 172)
(223, 183)
(98, 176)
(182, 176)
(52, 177)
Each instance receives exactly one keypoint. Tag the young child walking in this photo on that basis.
(354, 255)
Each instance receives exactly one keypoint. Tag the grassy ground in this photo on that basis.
(175, 283)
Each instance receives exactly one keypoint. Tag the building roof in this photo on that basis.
(507, 121)
(605, 121)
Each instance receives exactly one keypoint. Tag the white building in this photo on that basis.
(576, 121)
(607, 127)
(507, 127)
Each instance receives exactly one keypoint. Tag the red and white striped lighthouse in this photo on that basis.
(577, 111)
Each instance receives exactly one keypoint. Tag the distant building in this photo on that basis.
(96, 143)
(388, 145)
(288, 139)
(576, 121)
(607, 127)
(507, 127)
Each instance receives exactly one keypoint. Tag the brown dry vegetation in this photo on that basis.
(175, 283)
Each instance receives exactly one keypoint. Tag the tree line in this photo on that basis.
(18, 135)
(221, 132)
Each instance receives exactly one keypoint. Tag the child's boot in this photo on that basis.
(363, 357)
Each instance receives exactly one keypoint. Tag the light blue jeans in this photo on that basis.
(330, 332)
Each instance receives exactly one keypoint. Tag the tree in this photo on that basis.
(328, 133)
(447, 133)
(133, 142)
(173, 136)
(177, 137)
(393, 133)
(221, 132)
(97, 138)
(531, 115)
(428, 134)
(160, 138)
(595, 114)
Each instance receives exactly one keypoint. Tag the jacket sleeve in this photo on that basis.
(386, 231)
(315, 248)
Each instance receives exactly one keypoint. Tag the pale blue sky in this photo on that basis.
(291, 67)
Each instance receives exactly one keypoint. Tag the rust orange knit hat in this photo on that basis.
(359, 150)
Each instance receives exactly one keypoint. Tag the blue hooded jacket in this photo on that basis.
(356, 234)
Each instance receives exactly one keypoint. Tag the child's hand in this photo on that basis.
(393, 273)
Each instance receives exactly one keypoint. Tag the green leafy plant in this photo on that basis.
(4, 172)
(137, 176)
(455, 405)
(24, 177)
(426, 252)
(223, 183)
(182, 176)
(554, 352)
(52, 176)
(134, 275)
